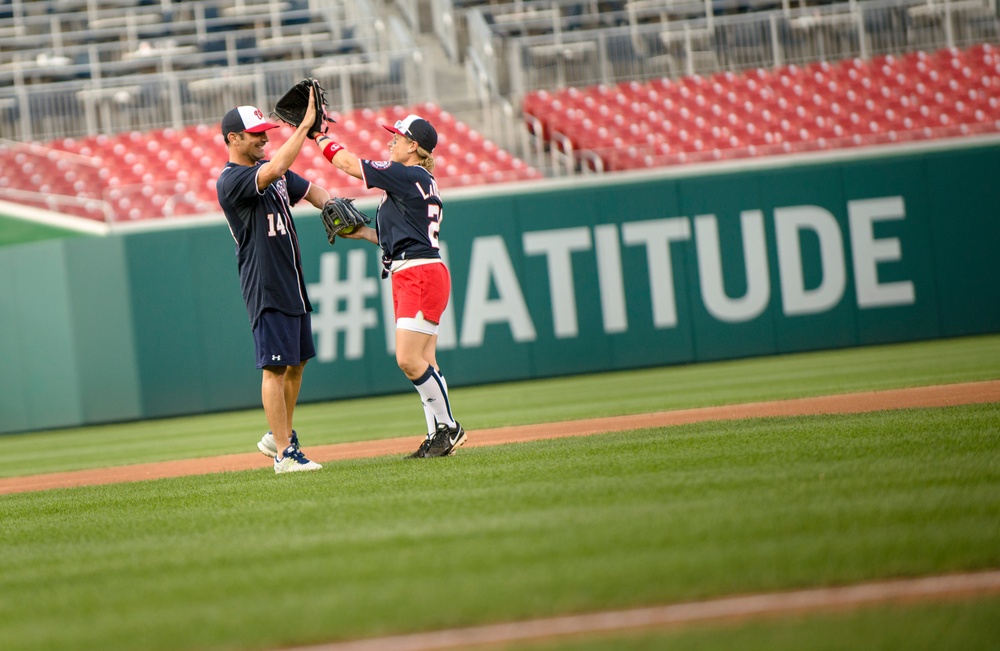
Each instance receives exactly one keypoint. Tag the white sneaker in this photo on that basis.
(267, 446)
(293, 461)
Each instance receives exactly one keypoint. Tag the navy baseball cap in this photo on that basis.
(245, 118)
(417, 129)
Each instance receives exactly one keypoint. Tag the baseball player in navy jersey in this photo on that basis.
(256, 196)
(406, 228)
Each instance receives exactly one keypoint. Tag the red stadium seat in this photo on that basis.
(890, 98)
(173, 171)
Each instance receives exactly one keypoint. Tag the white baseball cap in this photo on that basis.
(245, 118)
(415, 128)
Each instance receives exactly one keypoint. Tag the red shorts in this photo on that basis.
(421, 288)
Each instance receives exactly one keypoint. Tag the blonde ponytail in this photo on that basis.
(426, 159)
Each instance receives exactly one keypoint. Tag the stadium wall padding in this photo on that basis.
(554, 279)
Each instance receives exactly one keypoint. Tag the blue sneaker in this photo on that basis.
(293, 460)
(267, 446)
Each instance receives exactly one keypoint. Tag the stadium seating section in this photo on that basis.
(820, 106)
(173, 172)
(636, 124)
(76, 39)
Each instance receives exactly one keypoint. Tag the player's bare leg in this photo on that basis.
(430, 353)
(412, 352)
(415, 357)
(415, 354)
(279, 391)
(273, 395)
(293, 383)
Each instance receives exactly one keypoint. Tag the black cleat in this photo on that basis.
(422, 451)
(446, 440)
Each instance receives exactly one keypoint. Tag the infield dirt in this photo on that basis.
(847, 403)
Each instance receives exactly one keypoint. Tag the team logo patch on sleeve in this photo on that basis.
(380, 164)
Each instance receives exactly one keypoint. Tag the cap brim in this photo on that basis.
(394, 130)
(262, 127)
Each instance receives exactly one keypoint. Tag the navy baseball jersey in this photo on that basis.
(409, 216)
(267, 246)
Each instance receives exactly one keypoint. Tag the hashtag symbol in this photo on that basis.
(341, 305)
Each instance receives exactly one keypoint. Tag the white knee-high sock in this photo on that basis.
(434, 396)
(429, 413)
(429, 417)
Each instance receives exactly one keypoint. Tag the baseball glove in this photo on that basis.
(340, 216)
(292, 106)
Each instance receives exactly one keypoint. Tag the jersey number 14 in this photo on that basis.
(275, 226)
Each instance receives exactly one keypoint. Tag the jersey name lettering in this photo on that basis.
(432, 192)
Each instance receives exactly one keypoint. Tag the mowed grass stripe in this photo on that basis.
(383, 546)
(848, 403)
(969, 359)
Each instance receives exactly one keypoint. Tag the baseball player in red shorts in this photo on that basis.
(406, 227)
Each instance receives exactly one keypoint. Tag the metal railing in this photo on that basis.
(202, 96)
(568, 53)
(103, 43)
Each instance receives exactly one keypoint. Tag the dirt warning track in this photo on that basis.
(848, 403)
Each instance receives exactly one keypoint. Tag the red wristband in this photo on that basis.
(331, 150)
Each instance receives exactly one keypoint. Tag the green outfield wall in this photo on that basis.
(553, 279)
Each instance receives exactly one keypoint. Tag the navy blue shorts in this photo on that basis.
(282, 340)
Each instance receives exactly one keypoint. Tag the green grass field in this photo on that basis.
(587, 396)
(384, 546)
